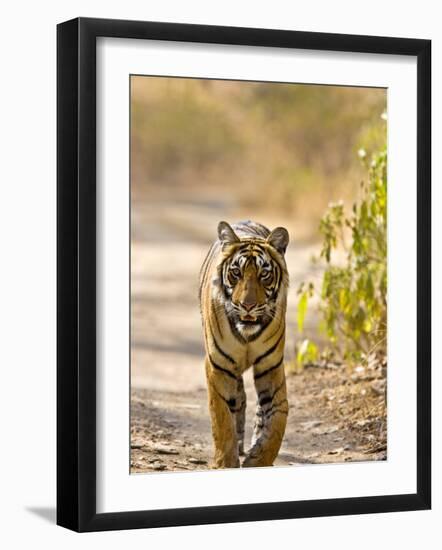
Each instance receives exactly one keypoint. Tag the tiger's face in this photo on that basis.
(253, 277)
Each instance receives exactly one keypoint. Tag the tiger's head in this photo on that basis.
(254, 278)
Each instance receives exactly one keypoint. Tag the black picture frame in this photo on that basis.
(77, 287)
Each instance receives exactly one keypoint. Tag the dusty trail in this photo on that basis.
(333, 413)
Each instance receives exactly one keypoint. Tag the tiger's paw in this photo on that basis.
(258, 457)
(255, 462)
(225, 463)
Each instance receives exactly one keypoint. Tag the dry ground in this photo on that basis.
(334, 417)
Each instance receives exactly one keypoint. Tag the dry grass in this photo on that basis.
(355, 397)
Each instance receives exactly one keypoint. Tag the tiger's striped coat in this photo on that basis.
(243, 296)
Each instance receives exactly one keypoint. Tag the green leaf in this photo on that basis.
(302, 310)
(307, 352)
(367, 326)
(343, 298)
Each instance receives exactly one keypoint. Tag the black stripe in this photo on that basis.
(269, 351)
(271, 251)
(204, 269)
(265, 400)
(235, 331)
(249, 227)
(226, 371)
(216, 320)
(276, 411)
(277, 282)
(261, 374)
(281, 320)
(244, 247)
(231, 403)
(268, 398)
(258, 333)
(218, 348)
(222, 276)
(274, 408)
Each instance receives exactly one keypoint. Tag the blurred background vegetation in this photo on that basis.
(286, 148)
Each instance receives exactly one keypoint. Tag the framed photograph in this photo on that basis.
(243, 274)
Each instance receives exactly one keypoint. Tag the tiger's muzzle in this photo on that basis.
(249, 312)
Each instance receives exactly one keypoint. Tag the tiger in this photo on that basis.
(243, 297)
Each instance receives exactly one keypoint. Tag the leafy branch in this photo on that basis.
(353, 293)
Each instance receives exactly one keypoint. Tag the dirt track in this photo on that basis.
(335, 415)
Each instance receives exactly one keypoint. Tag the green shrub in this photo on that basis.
(353, 294)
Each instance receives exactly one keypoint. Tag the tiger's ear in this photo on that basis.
(279, 239)
(226, 234)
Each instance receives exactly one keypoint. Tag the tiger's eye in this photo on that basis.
(235, 272)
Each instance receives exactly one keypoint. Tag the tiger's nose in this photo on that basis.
(248, 306)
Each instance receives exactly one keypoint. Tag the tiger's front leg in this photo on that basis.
(223, 397)
(271, 416)
(241, 415)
